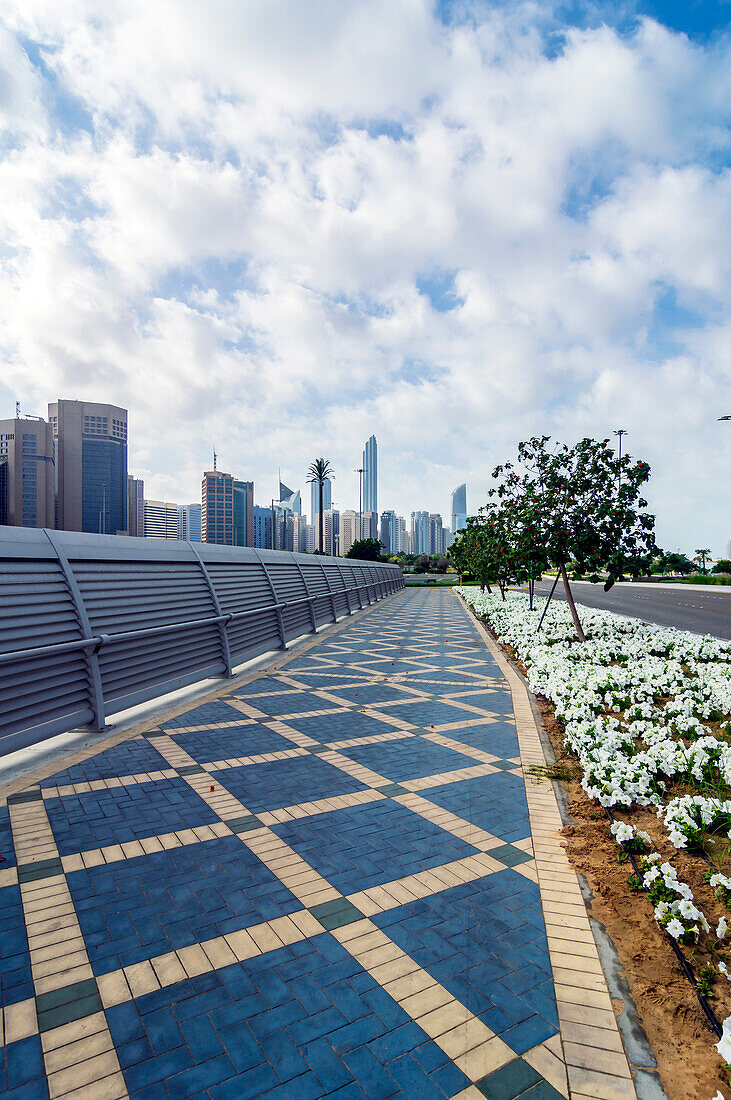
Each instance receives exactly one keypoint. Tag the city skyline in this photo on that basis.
(505, 220)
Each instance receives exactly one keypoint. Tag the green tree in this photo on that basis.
(672, 562)
(702, 556)
(723, 565)
(570, 509)
(319, 472)
(366, 550)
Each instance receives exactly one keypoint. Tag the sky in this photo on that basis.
(277, 227)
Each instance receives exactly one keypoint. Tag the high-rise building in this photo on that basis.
(189, 522)
(728, 550)
(262, 528)
(419, 533)
(369, 525)
(370, 476)
(160, 520)
(388, 531)
(90, 450)
(135, 507)
(26, 473)
(402, 536)
(437, 542)
(309, 538)
(243, 513)
(327, 498)
(349, 530)
(459, 508)
(290, 499)
(330, 532)
(217, 508)
(282, 527)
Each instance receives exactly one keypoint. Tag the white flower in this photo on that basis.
(675, 928)
(723, 1046)
(722, 930)
(724, 970)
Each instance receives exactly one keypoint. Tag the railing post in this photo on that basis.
(347, 588)
(329, 588)
(309, 594)
(223, 626)
(96, 691)
(280, 620)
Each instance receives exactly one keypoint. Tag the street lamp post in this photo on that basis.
(620, 432)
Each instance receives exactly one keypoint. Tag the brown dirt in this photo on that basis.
(681, 1038)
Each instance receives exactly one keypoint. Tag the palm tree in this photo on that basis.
(702, 556)
(319, 472)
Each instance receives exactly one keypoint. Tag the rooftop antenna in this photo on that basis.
(17, 410)
(215, 456)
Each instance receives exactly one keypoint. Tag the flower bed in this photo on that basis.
(647, 712)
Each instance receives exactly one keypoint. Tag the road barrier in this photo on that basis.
(93, 624)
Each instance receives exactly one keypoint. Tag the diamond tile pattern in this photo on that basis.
(305, 1012)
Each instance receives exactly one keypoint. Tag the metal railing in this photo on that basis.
(93, 624)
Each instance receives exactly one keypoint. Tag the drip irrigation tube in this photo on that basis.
(687, 970)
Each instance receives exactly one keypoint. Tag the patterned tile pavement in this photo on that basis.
(323, 882)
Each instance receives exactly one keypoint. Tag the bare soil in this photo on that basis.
(681, 1038)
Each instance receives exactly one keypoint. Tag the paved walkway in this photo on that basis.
(321, 883)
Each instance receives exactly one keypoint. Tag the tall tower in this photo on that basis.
(90, 445)
(217, 508)
(459, 508)
(370, 476)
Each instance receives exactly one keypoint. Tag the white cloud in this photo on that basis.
(231, 246)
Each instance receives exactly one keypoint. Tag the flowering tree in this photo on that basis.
(570, 508)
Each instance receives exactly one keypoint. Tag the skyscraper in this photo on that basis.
(26, 473)
(349, 530)
(135, 507)
(262, 528)
(459, 508)
(189, 522)
(388, 532)
(160, 520)
(370, 476)
(437, 544)
(419, 532)
(327, 497)
(90, 450)
(217, 508)
(290, 499)
(243, 513)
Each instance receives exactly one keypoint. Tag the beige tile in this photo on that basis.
(600, 1085)
(419, 1004)
(83, 1074)
(264, 938)
(218, 952)
(242, 945)
(484, 1059)
(20, 1021)
(141, 978)
(79, 1051)
(604, 1061)
(194, 960)
(168, 969)
(71, 1033)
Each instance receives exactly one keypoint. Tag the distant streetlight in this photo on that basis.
(620, 432)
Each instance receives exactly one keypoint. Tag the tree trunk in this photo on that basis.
(570, 597)
(502, 590)
(321, 517)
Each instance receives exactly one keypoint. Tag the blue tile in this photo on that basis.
(286, 782)
(97, 818)
(363, 846)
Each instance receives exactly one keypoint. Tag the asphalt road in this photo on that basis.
(707, 612)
